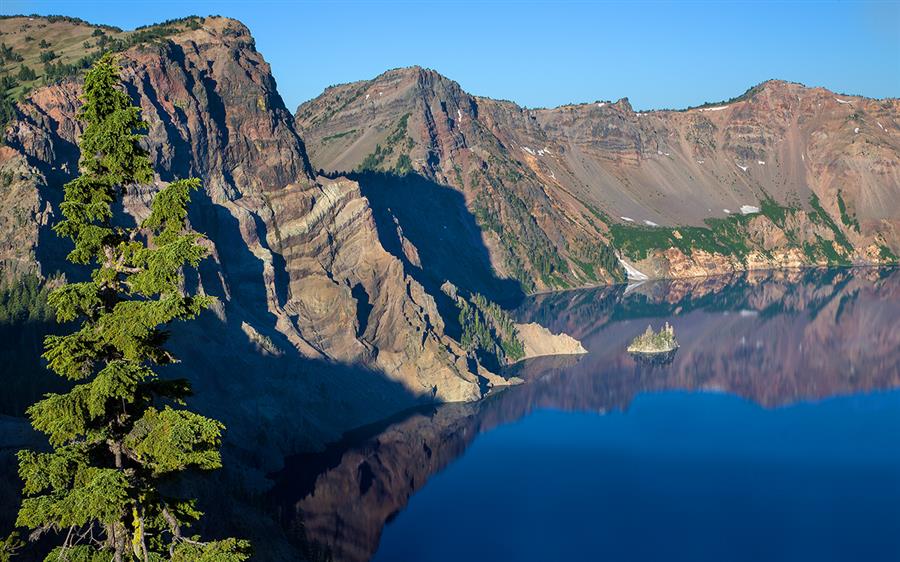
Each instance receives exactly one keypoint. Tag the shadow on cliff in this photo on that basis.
(447, 241)
(273, 403)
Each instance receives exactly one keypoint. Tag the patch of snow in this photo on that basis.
(699, 161)
(380, 93)
(629, 219)
(367, 97)
(547, 150)
(803, 157)
(601, 104)
(458, 115)
(879, 124)
(727, 212)
(749, 209)
(742, 167)
(717, 108)
(748, 313)
(528, 150)
(761, 162)
(843, 101)
(659, 152)
(667, 154)
(632, 286)
(650, 223)
(856, 130)
(632, 271)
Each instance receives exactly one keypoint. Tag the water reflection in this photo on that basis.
(774, 338)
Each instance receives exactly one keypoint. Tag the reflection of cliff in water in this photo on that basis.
(776, 339)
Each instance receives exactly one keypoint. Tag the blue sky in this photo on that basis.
(538, 53)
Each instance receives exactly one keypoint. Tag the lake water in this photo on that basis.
(773, 434)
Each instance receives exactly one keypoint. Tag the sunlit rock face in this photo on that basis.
(800, 175)
(297, 261)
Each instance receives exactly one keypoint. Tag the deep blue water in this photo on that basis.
(772, 434)
(679, 476)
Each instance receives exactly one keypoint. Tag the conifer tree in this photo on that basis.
(121, 431)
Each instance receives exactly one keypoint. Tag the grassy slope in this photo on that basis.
(72, 41)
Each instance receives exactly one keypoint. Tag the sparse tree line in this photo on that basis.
(488, 330)
(54, 69)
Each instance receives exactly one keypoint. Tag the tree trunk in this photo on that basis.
(117, 543)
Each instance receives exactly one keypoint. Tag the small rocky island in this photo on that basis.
(655, 346)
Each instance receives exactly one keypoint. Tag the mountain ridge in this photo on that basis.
(582, 171)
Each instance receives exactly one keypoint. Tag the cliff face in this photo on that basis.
(782, 176)
(306, 288)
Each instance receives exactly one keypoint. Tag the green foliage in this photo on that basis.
(7, 110)
(654, 342)
(846, 218)
(24, 300)
(8, 55)
(488, 330)
(501, 208)
(722, 236)
(403, 166)
(9, 546)
(121, 429)
(825, 247)
(374, 160)
(228, 550)
(7, 83)
(338, 136)
(26, 74)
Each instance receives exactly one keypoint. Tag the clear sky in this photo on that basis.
(539, 53)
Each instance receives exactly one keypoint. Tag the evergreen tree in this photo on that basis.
(121, 431)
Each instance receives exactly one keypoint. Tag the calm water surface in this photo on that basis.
(774, 434)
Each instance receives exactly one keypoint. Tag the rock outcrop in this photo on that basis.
(782, 176)
(297, 264)
(539, 341)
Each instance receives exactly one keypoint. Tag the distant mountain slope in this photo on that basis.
(783, 175)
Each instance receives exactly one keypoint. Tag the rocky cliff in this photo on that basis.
(310, 301)
(783, 175)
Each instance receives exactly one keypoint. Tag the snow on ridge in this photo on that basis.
(749, 209)
(633, 272)
(717, 108)
(843, 101)
(601, 104)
